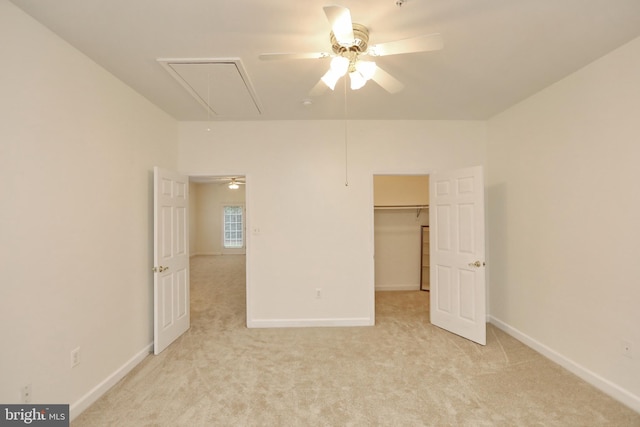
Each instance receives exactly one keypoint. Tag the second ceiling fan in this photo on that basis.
(349, 42)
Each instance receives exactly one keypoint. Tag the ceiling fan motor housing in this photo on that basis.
(360, 44)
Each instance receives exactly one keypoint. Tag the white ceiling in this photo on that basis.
(496, 52)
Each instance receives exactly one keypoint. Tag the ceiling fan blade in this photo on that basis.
(387, 81)
(340, 19)
(308, 55)
(229, 181)
(424, 43)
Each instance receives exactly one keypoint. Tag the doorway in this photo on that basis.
(218, 224)
(401, 213)
(217, 215)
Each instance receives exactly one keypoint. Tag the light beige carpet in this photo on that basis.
(401, 372)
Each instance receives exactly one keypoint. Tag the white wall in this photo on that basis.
(77, 149)
(315, 232)
(210, 198)
(564, 221)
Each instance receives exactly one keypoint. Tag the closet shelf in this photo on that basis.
(389, 207)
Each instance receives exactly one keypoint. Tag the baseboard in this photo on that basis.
(94, 394)
(308, 323)
(604, 385)
(397, 287)
(204, 254)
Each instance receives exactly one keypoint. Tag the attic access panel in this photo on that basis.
(220, 85)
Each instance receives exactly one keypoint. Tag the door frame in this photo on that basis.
(428, 172)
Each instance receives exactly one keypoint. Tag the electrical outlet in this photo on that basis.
(26, 394)
(318, 293)
(75, 357)
(626, 348)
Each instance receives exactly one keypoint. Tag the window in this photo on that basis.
(233, 227)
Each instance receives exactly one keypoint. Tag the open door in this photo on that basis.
(171, 258)
(456, 219)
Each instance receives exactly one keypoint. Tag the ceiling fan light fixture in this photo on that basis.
(330, 78)
(340, 65)
(366, 68)
(233, 184)
(357, 80)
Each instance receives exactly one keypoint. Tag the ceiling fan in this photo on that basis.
(350, 42)
(233, 183)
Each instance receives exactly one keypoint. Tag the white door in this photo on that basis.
(171, 258)
(456, 224)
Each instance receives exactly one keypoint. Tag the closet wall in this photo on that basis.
(401, 209)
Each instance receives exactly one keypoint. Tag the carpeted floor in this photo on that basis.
(401, 372)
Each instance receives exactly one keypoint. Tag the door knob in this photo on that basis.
(160, 269)
(476, 264)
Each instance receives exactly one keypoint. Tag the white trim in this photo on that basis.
(205, 254)
(236, 251)
(168, 62)
(397, 287)
(603, 384)
(95, 393)
(308, 323)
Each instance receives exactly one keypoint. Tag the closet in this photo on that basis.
(401, 219)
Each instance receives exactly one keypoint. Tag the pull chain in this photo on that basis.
(346, 138)
(208, 102)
